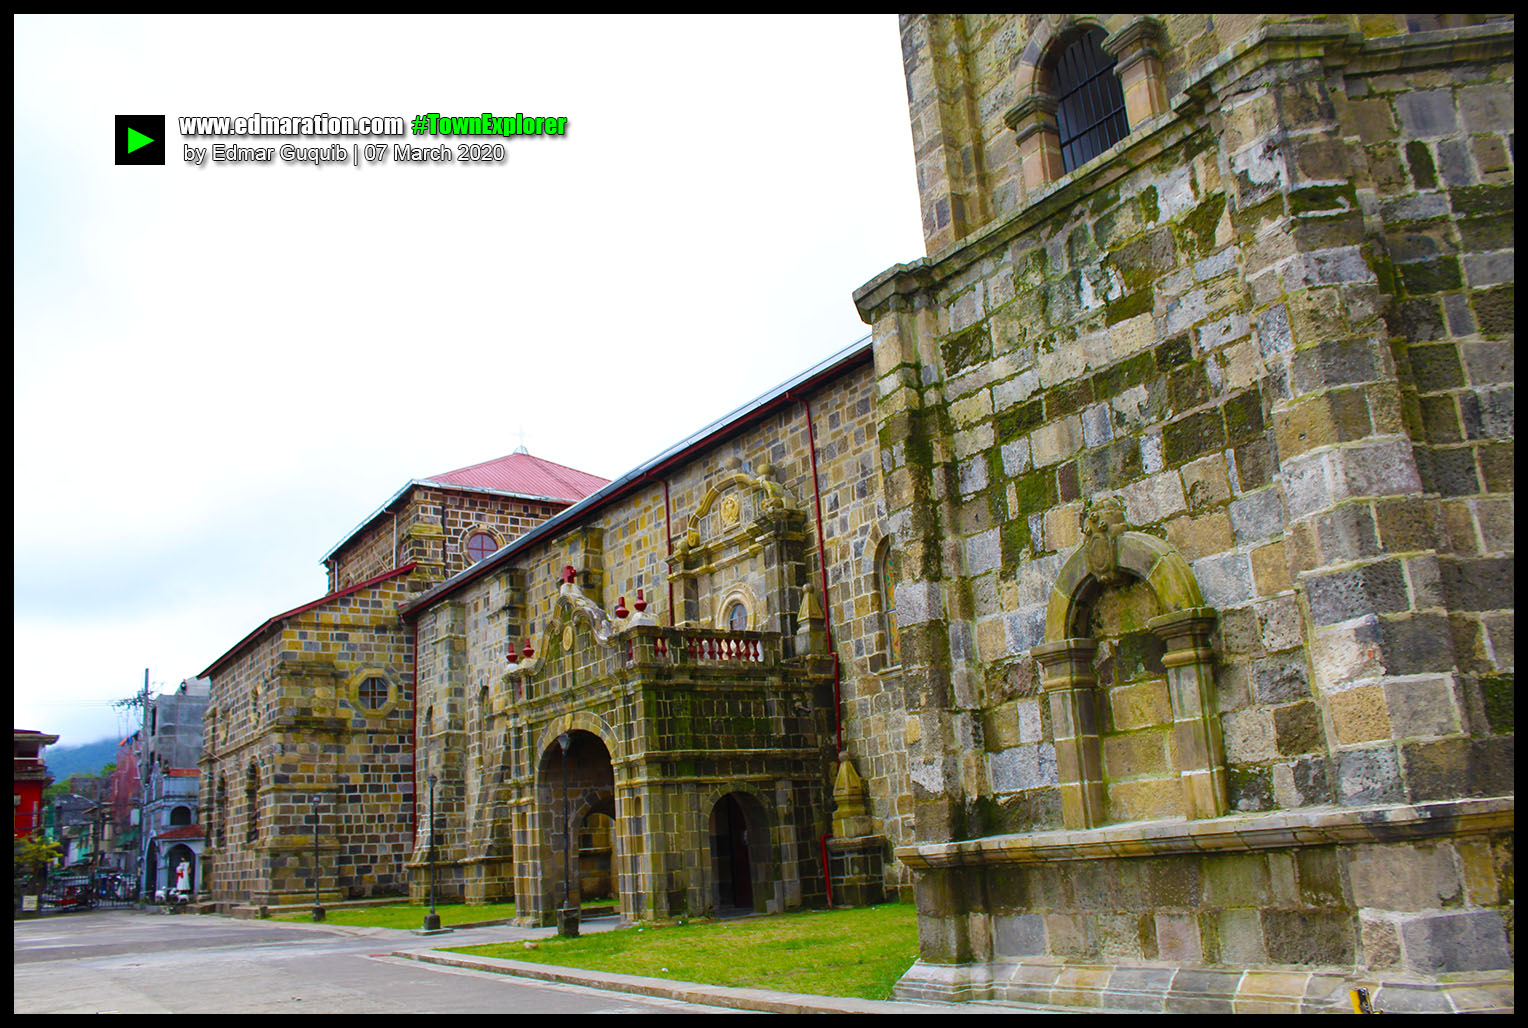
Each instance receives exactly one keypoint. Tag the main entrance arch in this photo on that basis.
(573, 781)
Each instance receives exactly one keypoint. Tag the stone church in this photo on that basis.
(1137, 598)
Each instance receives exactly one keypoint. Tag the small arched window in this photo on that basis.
(1090, 104)
(180, 816)
(252, 803)
(737, 617)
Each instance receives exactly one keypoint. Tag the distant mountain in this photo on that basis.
(89, 758)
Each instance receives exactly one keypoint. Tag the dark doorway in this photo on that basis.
(729, 840)
(577, 822)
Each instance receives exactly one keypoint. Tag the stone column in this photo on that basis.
(1066, 676)
(1191, 687)
(1136, 47)
(1039, 141)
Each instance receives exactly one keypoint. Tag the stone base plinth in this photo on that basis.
(857, 869)
(1162, 988)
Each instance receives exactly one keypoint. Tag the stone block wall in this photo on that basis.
(962, 82)
(1275, 329)
(431, 528)
(625, 547)
(285, 723)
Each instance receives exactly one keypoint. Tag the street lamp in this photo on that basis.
(432, 919)
(318, 908)
(567, 917)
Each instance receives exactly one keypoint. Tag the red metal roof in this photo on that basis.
(183, 832)
(182, 772)
(521, 473)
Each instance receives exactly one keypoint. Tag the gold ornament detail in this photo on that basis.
(730, 511)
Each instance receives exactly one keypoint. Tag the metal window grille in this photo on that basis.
(1090, 105)
(373, 693)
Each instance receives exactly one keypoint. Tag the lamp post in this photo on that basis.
(432, 919)
(318, 908)
(567, 916)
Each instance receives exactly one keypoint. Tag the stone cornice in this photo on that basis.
(1236, 833)
(897, 282)
(908, 284)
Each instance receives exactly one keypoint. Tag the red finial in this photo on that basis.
(568, 574)
(620, 608)
(528, 652)
(641, 603)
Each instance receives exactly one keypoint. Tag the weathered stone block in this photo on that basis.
(1309, 937)
(1297, 729)
(1225, 580)
(1193, 436)
(1459, 941)
(1342, 595)
(1368, 776)
(1178, 938)
(1019, 935)
(1419, 708)
(1257, 516)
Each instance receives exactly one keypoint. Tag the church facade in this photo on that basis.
(1137, 598)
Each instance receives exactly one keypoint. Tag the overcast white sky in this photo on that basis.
(219, 371)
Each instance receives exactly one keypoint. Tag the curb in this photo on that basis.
(689, 992)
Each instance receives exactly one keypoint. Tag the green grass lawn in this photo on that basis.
(858, 953)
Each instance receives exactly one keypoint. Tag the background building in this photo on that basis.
(317, 702)
(29, 777)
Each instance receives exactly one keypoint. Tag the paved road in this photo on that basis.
(129, 961)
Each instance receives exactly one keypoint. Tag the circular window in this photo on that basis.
(373, 692)
(737, 618)
(480, 545)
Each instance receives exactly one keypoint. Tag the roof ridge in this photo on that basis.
(507, 456)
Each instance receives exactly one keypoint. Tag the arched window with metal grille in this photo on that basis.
(1090, 104)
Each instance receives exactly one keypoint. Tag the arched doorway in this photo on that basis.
(177, 855)
(575, 794)
(739, 848)
(151, 883)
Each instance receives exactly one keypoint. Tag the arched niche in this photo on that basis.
(746, 536)
(1109, 556)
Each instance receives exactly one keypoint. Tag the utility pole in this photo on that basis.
(143, 787)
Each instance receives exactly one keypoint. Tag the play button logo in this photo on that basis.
(140, 139)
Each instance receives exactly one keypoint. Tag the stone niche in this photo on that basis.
(1154, 895)
(743, 545)
(1126, 755)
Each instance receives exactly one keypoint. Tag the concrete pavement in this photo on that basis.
(138, 962)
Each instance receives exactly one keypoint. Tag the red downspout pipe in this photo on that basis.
(668, 537)
(822, 560)
(827, 624)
